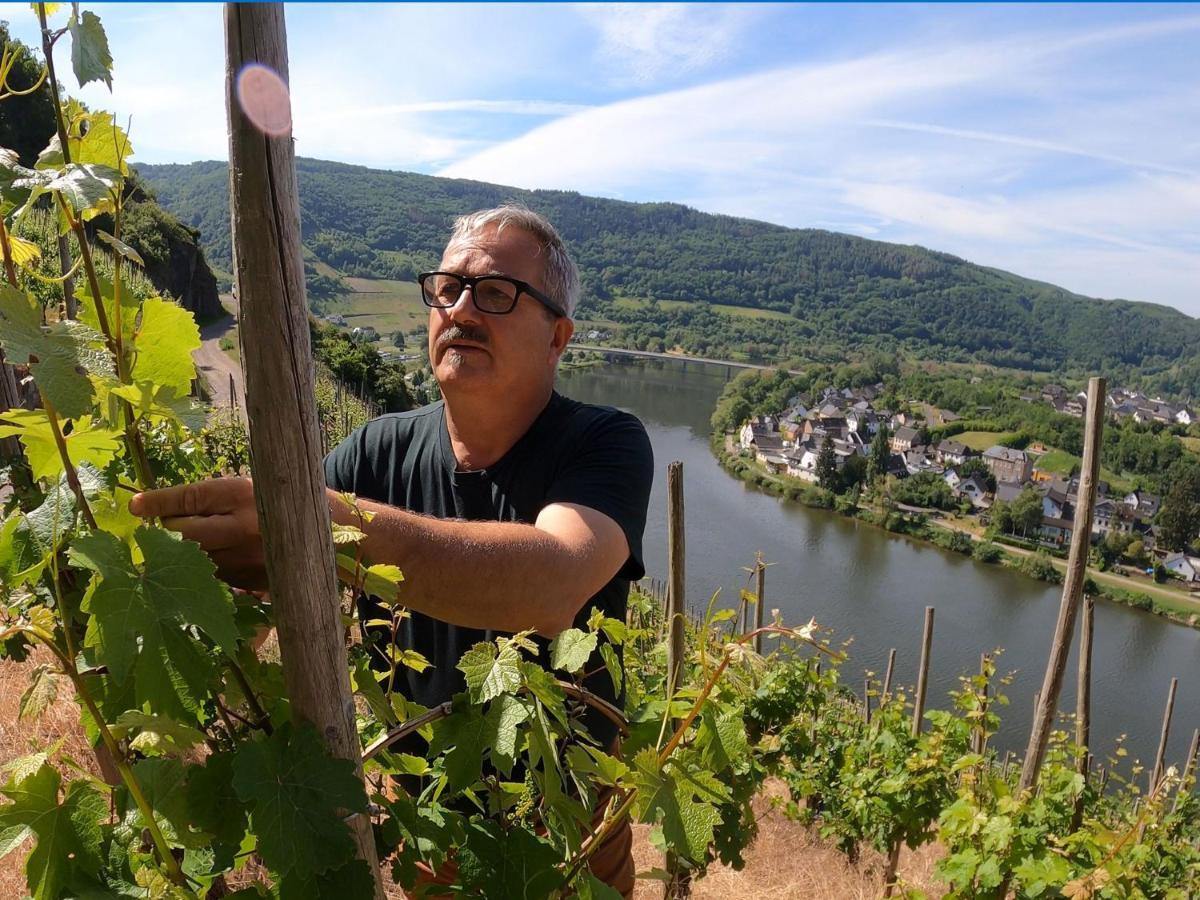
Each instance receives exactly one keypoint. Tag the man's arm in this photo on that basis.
(505, 576)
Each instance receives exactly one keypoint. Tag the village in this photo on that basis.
(999, 487)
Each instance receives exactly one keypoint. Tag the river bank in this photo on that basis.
(959, 539)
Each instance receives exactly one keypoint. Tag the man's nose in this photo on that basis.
(464, 309)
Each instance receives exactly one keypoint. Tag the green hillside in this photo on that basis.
(831, 292)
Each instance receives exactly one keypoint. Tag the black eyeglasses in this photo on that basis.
(495, 295)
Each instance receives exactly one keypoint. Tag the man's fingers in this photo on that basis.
(204, 498)
(210, 532)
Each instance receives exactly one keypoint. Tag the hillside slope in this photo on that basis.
(833, 290)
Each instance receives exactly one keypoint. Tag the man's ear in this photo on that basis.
(563, 329)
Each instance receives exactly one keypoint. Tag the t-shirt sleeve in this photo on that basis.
(611, 472)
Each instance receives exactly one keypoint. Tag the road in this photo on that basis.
(678, 357)
(218, 368)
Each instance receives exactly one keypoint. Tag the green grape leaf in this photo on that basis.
(504, 717)
(465, 735)
(351, 881)
(68, 834)
(42, 691)
(212, 803)
(155, 735)
(507, 865)
(722, 737)
(680, 801)
(121, 248)
(571, 649)
(90, 57)
(66, 352)
(592, 888)
(163, 781)
(160, 402)
(298, 794)
(491, 670)
(612, 665)
(93, 138)
(85, 187)
(139, 615)
(164, 345)
(88, 308)
(88, 442)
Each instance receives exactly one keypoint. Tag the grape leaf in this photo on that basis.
(490, 670)
(94, 138)
(66, 351)
(722, 737)
(164, 345)
(213, 805)
(139, 615)
(85, 187)
(42, 691)
(68, 833)
(88, 442)
(90, 57)
(680, 801)
(465, 735)
(121, 248)
(163, 782)
(155, 734)
(571, 649)
(503, 718)
(351, 881)
(298, 794)
(507, 865)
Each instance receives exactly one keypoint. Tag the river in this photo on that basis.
(873, 586)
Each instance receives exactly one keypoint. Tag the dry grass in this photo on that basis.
(786, 861)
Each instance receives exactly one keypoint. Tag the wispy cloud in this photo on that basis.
(646, 43)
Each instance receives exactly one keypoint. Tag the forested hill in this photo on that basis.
(834, 290)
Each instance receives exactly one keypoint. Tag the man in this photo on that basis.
(506, 505)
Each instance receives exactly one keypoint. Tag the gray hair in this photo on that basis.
(561, 274)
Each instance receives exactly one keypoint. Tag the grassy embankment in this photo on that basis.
(1173, 604)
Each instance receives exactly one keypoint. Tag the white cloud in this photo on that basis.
(850, 141)
(644, 43)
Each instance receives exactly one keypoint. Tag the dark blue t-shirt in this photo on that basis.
(594, 456)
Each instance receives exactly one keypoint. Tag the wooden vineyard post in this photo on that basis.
(979, 742)
(887, 677)
(1083, 700)
(281, 410)
(761, 594)
(678, 882)
(1043, 717)
(1189, 771)
(1160, 757)
(923, 672)
(893, 863)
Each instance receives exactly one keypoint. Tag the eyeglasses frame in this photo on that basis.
(469, 281)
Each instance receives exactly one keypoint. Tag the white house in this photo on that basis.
(1185, 567)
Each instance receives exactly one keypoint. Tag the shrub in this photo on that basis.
(1040, 567)
(988, 552)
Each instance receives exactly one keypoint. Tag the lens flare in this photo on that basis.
(264, 99)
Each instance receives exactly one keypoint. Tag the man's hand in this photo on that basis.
(221, 517)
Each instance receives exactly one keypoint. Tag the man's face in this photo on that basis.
(501, 356)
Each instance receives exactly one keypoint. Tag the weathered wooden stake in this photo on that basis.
(1189, 771)
(678, 883)
(293, 510)
(887, 678)
(761, 590)
(1081, 535)
(1160, 757)
(1083, 702)
(893, 863)
(923, 672)
(867, 700)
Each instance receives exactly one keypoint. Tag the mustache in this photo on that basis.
(461, 333)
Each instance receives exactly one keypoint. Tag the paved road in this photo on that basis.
(216, 365)
(678, 357)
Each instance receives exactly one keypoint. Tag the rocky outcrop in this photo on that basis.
(187, 277)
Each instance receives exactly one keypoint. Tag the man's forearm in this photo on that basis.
(506, 576)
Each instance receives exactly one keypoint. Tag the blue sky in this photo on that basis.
(1061, 142)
